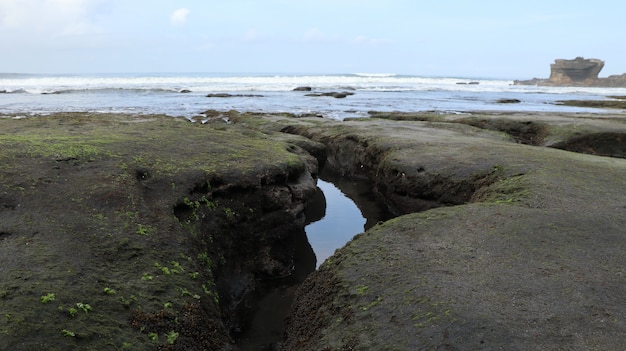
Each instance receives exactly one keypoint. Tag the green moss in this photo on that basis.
(99, 192)
(507, 190)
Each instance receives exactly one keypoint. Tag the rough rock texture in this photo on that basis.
(577, 72)
(141, 232)
(521, 248)
(148, 232)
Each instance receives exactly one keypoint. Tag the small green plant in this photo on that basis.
(194, 275)
(109, 291)
(206, 202)
(127, 301)
(204, 258)
(153, 336)
(361, 289)
(216, 297)
(72, 311)
(69, 333)
(191, 204)
(177, 266)
(147, 277)
(48, 298)
(171, 337)
(230, 214)
(84, 306)
(127, 346)
(145, 229)
(374, 303)
(167, 305)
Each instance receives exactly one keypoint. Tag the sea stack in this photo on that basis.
(578, 71)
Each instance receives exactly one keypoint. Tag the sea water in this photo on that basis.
(186, 94)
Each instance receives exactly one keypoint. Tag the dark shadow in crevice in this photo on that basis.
(599, 144)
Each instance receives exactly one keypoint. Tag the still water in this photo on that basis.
(345, 207)
(340, 209)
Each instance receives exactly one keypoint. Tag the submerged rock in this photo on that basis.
(508, 101)
(336, 95)
(226, 95)
(302, 89)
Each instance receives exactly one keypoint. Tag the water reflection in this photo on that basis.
(341, 209)
(342, 220)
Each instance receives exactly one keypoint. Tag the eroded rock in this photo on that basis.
(162, 228)
(501, 270)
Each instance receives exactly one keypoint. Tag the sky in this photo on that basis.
(451, 38)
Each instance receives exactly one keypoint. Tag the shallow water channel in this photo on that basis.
(341, 209)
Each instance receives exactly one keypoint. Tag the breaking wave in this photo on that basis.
(163, 93)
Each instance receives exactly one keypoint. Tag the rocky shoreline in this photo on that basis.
(141, 232)
(510, 235)
(579, 72)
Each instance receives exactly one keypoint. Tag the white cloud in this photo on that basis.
(252, 35)
(179, 17)
(365, 40)
(51, 17)
(316, 35)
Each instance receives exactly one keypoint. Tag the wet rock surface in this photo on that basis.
(141, 232)
(519, 247)
(148, 232)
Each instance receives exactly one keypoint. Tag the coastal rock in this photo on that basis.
(576, 72)
(226, 95)
(514, 246)
(336, 95)
(508, 101)
(496, 249)
(150, 238)
(302, 89)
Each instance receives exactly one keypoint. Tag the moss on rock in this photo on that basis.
(133, 216)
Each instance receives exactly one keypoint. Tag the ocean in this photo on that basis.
(185, 95)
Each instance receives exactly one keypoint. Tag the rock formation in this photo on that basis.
(577, 72)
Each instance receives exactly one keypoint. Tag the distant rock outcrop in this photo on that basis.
(336, 95)
(577, 72)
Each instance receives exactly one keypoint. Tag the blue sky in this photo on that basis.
(492, 39)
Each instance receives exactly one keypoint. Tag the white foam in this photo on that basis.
(160, 93)
(211, 83)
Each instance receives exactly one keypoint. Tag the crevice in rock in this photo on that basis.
(247, 232)
(523, 132)
(405, 190)
(600, 144)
